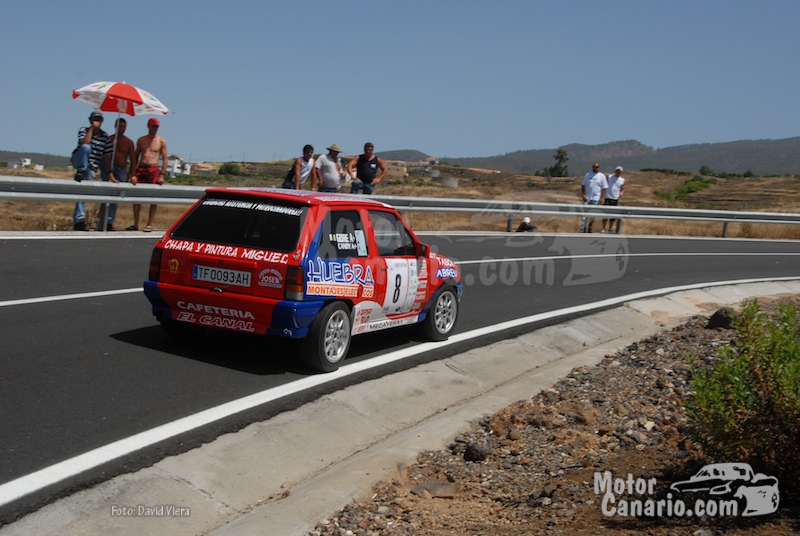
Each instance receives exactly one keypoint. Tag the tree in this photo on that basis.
(560, 168)
(705, 170)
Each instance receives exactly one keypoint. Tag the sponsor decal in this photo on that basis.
(270, 278)
(253, 205)
(354, 242)
(181, 245)
(227, 251)
(391, 323)
(266, 256)
(422, 268)
(443, 261)
(217, 322)
(444, 273)
(333, 277)
(214, 310)
(173, 265)
(332, 289)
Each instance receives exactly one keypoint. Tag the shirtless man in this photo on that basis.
(148, 150)
(121, 169)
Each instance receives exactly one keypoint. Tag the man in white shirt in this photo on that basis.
(302, 168)
(593, 192)
(329, 168)
(616, 185)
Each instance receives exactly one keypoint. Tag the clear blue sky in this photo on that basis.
(257, 80)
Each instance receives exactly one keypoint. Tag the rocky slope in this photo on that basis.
(532, 467)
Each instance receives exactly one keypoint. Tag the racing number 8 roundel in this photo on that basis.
(401, 285)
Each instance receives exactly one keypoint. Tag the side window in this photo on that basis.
(391, 235)
(343, 235)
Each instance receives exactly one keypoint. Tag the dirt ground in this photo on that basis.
(532, 467)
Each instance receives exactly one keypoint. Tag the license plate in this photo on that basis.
(221, 275)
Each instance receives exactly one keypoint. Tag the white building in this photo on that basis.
(176, 166)
(22, 163)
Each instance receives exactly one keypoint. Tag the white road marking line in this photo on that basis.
(72, 467)
(45, 299)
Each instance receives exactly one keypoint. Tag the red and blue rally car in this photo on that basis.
(316, 267)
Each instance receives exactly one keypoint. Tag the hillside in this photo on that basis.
(762, 157)
(406, 155)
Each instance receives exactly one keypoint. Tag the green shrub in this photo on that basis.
(230, 168)
(746, 407)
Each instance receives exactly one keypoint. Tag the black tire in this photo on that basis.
(328, 339)
(181, 330)
(442, 316)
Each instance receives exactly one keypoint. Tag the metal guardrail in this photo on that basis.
(37, 189)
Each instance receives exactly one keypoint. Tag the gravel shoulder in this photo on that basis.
(530, 468)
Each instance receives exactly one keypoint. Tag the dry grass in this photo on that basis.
(770, 194)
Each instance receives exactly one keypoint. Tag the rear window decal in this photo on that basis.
(252, 205)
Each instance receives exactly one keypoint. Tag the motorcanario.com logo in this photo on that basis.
(717, 490)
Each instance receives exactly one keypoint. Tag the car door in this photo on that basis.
(397, 274)
(341, 267)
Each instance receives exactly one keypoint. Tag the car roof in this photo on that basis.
(301, 196)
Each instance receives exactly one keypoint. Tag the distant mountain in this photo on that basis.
(406, 155)
(762, 157)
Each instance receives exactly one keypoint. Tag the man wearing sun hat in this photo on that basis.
(616, 185)
(330, 170)
(149, 149)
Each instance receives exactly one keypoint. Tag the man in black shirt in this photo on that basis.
(367, 170)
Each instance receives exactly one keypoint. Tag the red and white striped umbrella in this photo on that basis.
(119, 97)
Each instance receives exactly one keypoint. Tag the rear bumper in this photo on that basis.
(235, 312)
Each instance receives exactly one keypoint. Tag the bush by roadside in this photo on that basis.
(746, 406)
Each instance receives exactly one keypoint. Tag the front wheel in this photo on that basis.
(442, 315)
(328, 339)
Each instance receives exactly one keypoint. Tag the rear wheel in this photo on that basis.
(442, 316)
(328, 339)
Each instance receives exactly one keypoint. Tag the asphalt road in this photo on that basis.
(82, 370)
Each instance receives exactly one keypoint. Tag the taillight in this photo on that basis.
(295, 283)
(155, 265)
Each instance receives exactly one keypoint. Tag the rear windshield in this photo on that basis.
(244, 221)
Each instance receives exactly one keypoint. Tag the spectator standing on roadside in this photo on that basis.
(616, 185)
(122, 167)
(593, 192)
(302, 168)
(92, 154)
(149, 149)
(367, 170)
(329, 169)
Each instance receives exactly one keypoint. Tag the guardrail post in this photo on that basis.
(509, 224)
(618, 226)
(725, 230)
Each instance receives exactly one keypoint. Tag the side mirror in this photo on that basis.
(422, 250)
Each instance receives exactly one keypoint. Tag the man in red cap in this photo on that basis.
(149, 149)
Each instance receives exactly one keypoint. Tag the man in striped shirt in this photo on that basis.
(93, 153)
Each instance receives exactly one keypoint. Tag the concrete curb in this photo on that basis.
(283, 475)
